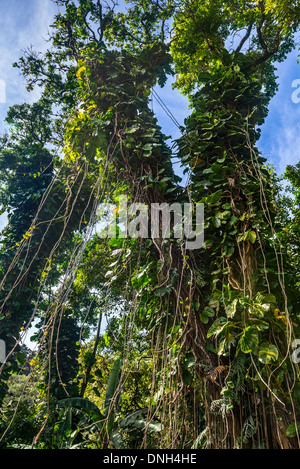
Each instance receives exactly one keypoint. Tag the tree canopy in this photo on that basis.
(141, 342)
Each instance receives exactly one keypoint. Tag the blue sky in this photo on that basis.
(280, 139)
(26, 22)
(22, 23)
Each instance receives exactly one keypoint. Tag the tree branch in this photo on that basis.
(245, 38)
(268, 53)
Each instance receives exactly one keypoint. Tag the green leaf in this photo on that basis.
(165, 179)
(249, 340)
(222, 159)
(269, 298)
(221, 347)
(267, 353)
(132, 130)
(117, 242)
(189, 361)
(215, 197)
(207, 243)
(217, 327)
(135, 420)
(291, 430)
(206, 314)
(252, 236)
(21, 358)
(112, 385)
(204, 318)
(261, 325)
(231, 309)
(224, 215)
(209, 312)
(83, 404)
(229, 251)
(232, 221)
(216, 222)
(226, 392)
(216, 168)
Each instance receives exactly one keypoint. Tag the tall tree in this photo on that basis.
(224, 315)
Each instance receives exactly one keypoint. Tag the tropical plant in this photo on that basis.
(217, 323)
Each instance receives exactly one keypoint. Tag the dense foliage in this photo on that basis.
(142, 342)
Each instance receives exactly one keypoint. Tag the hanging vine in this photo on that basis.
(218, 321)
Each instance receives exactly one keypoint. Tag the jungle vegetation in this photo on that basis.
(142, 343)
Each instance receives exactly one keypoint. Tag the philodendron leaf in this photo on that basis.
(269, 298)
(216, 222)
(252, 236)
(267, 353)
(261, 325)
(249, 340)
(291, 431)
